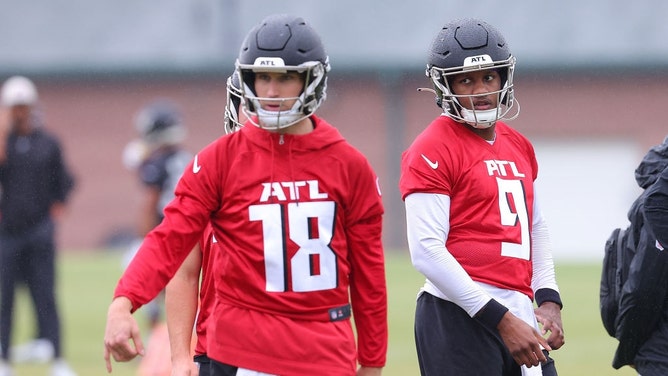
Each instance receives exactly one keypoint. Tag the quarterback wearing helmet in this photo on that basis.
(474, 225)
(299, 247)
(466, 47)
(283, 44)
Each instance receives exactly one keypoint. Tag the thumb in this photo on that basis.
(542, 341)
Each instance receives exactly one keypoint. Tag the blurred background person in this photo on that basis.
(159, 158)
(656, 204)
(633, 291)
(651, 358)
(35, 185)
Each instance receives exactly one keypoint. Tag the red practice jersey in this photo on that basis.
(298, 222)
(491, 190)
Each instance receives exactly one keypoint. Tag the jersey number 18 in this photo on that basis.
(311, 226)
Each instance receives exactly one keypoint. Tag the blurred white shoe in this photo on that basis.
(36, 351)
(60, 368)
(5, 369)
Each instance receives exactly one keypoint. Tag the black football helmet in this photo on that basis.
(159, 123)
(471, 45)
(282, 43)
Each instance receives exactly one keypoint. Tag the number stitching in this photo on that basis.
(313, 267)
(514, 189)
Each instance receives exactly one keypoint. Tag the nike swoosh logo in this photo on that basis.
(431, 164)
(196, 167)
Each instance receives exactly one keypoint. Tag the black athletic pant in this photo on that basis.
(29, 258)
(222, 369)
(450, 342)
(204, 365)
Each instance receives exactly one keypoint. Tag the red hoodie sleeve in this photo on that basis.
(368, 288)
(162, 252)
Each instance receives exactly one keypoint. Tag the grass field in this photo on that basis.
(86, 282)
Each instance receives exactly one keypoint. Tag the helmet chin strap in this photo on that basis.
(480, 119)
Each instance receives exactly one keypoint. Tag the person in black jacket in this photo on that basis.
(634, 289)
(651, 358)
(35, 184)
(656, 205)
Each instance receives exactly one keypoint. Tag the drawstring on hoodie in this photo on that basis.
(281, 141)
(273, 159)
(292, 172)
(323, 136)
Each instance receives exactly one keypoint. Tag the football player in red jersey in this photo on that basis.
(297, 215)
(475, 229)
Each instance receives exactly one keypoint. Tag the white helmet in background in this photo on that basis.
(18, 90)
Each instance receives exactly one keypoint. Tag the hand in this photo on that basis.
(5, 129)
(5, 121)
(121, 329)
(369, 371)
(522, 340)
(57, 211)
(549, 316)
(184, 368)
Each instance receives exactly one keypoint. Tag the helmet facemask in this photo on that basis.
(314, 74)
(452, 103)
(231, 121)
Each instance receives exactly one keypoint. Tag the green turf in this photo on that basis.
(87, 279)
